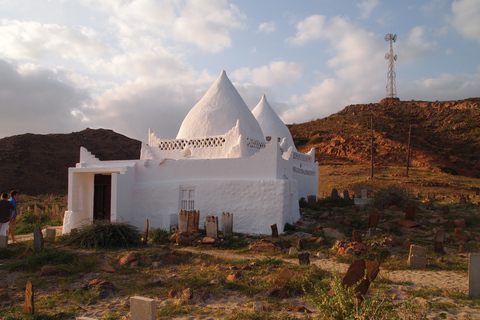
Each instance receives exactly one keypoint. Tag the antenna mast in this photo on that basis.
(391, 85)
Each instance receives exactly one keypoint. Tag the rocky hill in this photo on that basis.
(445, 135)
(38, 164)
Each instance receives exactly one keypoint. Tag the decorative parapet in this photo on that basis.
(301, 156)
(304, 171)
(180, 144)
(253, 143)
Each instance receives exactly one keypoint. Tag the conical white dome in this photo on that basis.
(270, 123)
(217, 113)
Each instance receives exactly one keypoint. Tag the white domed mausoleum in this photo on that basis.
(225, 158)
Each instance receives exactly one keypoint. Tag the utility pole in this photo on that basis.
(408, 148)
(371, 148)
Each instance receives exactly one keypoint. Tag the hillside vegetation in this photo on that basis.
(445, 135)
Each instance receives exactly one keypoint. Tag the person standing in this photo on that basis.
(5, 207)
(13, 214)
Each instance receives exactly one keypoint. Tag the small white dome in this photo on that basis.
(270, 123)
(217, 113)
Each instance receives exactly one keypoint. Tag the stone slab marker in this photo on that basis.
(438, 241)
(334, 193)
(417, 257)
(28, 306)
(145, 233)
(274, 230)
(410, 213)
(356, 236)
(50, 232)
(227, 223)
(212, 227)
(474, 275)
(3, 241)
(346, 195)
(37, 239)
(364, 193)
(303, 258)
(193, 220)
(373, 220)
(142, 308)
(183, 221)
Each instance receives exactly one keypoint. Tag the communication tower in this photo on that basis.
(391, 85)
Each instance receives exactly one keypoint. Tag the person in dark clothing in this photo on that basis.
(5, 207)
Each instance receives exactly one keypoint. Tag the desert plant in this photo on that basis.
(339, 302)
(158, 236)
(105, 235)
(394, 194)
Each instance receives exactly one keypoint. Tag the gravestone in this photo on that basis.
(303, 258)
(212, 227)
(438, 241)
(373, 220)
(474, 275)
(193, 220)
(37, 239)
(28, 306)
(227, 223)
(357, 236)
(345, 194)
(356, 272)
(142, 308)
(3, 241)
(50, 232)
(334, 193)
(183, 221)
(364, 193)
(312, 199)
(417, 257)
(372, 232)
(410, 213)
(145, 233)
(274, 230)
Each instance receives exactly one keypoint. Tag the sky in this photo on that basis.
(66, 65)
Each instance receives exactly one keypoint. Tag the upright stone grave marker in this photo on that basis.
(145, 233)
(474, 275)
(334, 193)
(346, 195)
(37, 239)
(373, 220)
(438, 241)
(193, 220)
(183, 221)
(142, 308)
(28, 306)
(212, 227)
(357, 237)
(417, 257)
(274, 230)
(303, 258)
(50, 232)
(364, 193)
(410, 213)
(227, 223)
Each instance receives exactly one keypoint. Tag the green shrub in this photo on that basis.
(234, 242)
(29, 218)
(105, 235)
(339, 302)
(394, 194)
(50, 257)
(448, 170)
(159, 236)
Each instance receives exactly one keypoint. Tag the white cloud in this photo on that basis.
(266, 27)
(466, 20)
(277, 73)
(310, 29)
(38, 100)
(416, 46)
(366, 7)
(32, 40)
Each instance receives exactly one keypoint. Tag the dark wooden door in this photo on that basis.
(102, 197)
